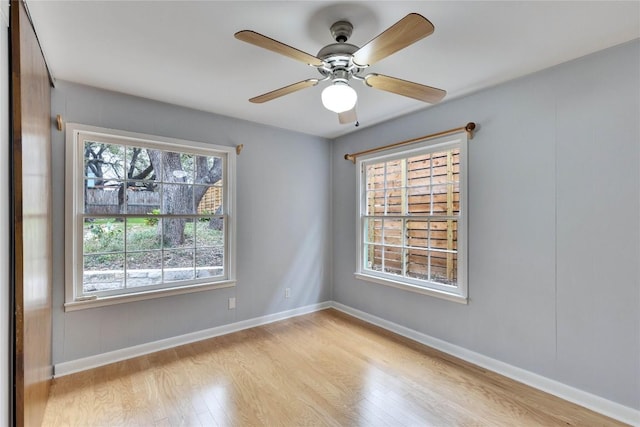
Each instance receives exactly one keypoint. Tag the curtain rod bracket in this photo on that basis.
(239, 149)
(469, 128)
(59, 122)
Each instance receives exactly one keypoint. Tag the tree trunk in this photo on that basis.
(178, 197)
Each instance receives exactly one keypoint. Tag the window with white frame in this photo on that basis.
(146, 215)
(412, 219)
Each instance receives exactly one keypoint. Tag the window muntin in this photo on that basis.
(148, 214)
(411, 224)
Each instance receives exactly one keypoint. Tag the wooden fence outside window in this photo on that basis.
(420, 197)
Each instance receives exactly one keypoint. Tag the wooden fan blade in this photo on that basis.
(265, 42)
(348, 116)
(403, 33)
(403, 87)
(284, 91)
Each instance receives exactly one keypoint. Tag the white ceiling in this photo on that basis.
(184, 52)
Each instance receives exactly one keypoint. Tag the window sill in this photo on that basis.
(413, 288)
(140, 296)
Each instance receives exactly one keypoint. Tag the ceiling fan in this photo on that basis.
(341, 62)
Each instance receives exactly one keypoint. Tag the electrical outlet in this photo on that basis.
(287, 293)
(232, 303)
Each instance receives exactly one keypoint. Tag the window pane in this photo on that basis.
(444, 268)
(417, 264)
(143, 197)
(392, 231)
(209, 170)
(103, 161)
(103, 196)
(103, 235)
(177, 199)
(375, 176)
(178, 265)
(393, 260)
(373, 257)
(446, 199)
(373, 230)
(178, 167)
(445, 166)
(452, 235)
(417, 234)
(375, 202)
(394, 174)
(144, 268)
(419, 200)
(104, 272)
(143, 233)
(139, 165)
(394, 201)
(210, 262)
(209, 232)
(441, 234)
(209, 199)
(439, 168)
(156, 160)
(418, 170)
(178, 233)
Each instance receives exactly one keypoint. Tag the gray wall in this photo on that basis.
(283, 224)
(554, 237)
(554, 192)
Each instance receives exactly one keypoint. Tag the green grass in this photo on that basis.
(105, 235)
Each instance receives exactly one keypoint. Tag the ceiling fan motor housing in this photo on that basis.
(341, 31)
(338, 56)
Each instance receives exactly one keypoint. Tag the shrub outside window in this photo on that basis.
(412, 222)
(147, 215)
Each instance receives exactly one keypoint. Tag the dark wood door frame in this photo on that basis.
(30, 188)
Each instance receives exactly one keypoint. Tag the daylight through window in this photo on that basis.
(411, 218)
(148, 214)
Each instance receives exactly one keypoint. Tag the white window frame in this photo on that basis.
(74, 206)
(457, 293)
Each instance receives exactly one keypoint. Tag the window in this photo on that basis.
(146, 216)
(412, 221)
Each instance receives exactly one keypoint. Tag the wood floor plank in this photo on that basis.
(321, 369)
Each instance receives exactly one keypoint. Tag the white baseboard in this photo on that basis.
(78, 365)
(598, 404)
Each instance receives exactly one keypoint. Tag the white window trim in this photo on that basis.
(73, 197)
(458, 294)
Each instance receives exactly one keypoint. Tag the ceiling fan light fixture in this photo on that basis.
(342, 61)
(339, 97)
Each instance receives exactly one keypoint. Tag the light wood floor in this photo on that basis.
(324, 368)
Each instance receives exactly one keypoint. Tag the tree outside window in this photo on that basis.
(153, 215)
